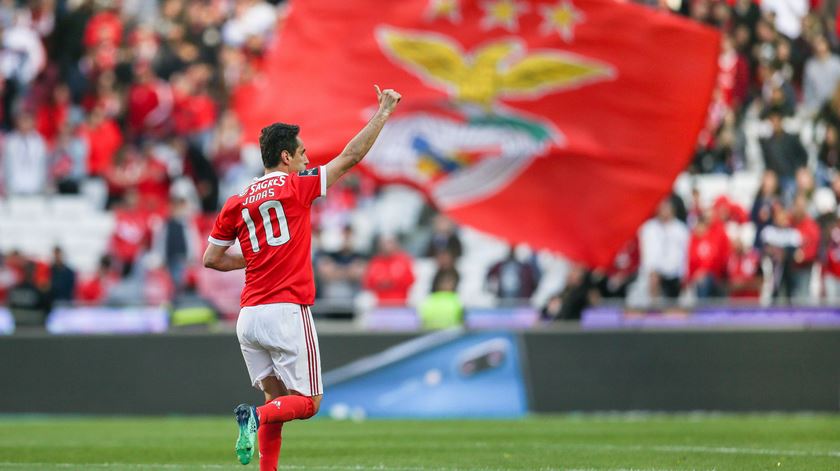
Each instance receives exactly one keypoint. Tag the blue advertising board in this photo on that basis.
(446, 374)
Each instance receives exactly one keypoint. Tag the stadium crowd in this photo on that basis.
(137, 96)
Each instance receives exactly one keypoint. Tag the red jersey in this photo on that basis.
(103, 143)
(390, 277)
(744, 273)
(810, 232)
(708, 252)
(832, 252)
(270, 219)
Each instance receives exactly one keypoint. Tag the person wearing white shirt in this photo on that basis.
(821, 76)
(780, 243)
(23, 55)
(25, 159)
(253, 18)
(788, 13)
(664, 252)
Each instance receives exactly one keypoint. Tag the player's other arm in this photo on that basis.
(217, 258)
(359, 146)
(222, 237)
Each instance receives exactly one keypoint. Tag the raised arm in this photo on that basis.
(359, 146)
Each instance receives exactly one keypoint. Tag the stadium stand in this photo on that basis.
(134, 98)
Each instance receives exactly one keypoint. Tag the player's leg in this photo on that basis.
(294, 406)
(316, 401)
(270, 436)
(260, 365)
(273, 387)
(289, 338)
(301, 372)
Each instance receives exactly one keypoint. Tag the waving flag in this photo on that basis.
(559, 123)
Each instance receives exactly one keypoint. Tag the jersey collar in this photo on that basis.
(270, 175)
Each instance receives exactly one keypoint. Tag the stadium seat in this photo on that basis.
(35, 225)
(711, 187)
(743, 187)
(69, 207)
(26, 205)
(424, 272)
(397, 210)
(95, 191)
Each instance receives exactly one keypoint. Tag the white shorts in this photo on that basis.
(280, 340)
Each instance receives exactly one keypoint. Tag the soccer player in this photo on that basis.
(270, 219)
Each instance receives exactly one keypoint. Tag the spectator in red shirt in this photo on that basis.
(831, 267)
(194, 113)
(726, 210)
(153, 180)
(149, 103)
(131, 232)
(123, 175)
(105, 27)
(93, 290)
(805, 256)
(705, 254)
(734, 75)
(105, 95)
(743, 270)
(51, 116)
(103, 138)
(390, 273)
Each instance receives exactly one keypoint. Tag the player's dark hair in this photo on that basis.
(274, 139)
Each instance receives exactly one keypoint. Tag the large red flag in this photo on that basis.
(559, 123)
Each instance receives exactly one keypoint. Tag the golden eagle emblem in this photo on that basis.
(501, 68)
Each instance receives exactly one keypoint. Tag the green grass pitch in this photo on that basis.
(638, 442)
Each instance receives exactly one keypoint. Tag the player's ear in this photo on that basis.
(285, 157)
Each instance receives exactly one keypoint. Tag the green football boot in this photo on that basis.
(246, 419)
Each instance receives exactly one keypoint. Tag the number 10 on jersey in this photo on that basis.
(266, 209)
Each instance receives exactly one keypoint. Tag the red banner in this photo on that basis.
(558, 123)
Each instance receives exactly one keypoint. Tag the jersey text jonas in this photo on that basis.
(271, 221)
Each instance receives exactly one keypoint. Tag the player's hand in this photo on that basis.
(388, 99)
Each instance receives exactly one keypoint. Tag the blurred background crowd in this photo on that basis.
(116, 117)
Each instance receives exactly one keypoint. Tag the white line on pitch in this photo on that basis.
(696, 449)
(745, 451)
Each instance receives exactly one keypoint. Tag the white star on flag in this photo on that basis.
(502, 13)
(449, 9)
(561, 18)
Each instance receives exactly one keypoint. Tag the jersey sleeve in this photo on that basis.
(312, 183)
(224, 229)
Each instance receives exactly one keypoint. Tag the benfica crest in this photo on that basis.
(560, 123)
(473, 144)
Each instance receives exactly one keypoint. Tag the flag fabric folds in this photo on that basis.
(557, 123)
